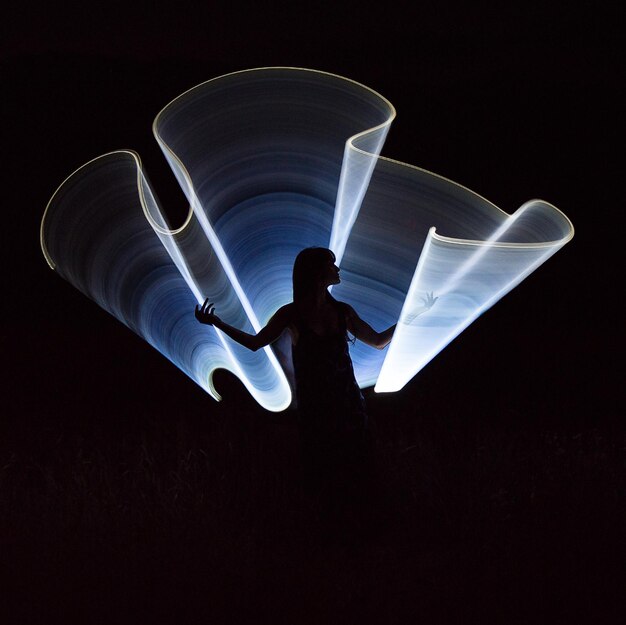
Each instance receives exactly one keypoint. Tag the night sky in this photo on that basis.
(514, 104)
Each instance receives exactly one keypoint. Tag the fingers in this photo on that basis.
(206, 307)
(205, 312)
(429, 299)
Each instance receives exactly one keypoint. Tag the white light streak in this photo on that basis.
(271, 161)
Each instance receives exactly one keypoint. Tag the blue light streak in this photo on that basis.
(271, 161)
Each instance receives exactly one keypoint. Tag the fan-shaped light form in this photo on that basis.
(274, 160)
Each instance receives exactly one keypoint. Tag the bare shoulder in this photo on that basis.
(347, 310)
(285, 313)
(274, 327)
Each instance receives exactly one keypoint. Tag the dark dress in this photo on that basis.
(336, 441)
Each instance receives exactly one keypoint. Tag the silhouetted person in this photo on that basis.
(336, 440)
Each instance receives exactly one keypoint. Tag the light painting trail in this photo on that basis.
(274, 160)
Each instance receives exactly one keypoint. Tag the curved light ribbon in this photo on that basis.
(271, 161)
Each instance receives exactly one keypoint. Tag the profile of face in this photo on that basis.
(330, 271)
(314, 267)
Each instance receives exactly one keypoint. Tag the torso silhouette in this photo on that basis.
(330, 404)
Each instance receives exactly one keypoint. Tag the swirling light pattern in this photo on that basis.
(271, 161)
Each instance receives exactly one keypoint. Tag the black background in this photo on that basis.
(514, 103)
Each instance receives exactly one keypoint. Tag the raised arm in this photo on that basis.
(274, 328)
(364, 332)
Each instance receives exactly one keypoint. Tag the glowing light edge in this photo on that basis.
(236, 369)
(350, 141)
(349, 144)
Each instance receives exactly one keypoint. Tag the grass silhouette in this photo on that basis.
(154, 520)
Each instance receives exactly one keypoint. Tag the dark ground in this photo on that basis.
(128, 495)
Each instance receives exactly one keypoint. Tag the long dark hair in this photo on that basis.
(308, 268)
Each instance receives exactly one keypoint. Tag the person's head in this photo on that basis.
(313, 268)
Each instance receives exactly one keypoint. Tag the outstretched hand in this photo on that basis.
(429, 300)
(206, 313)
